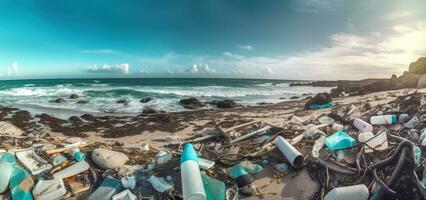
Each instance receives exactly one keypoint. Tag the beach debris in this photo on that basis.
(159, 184)
(128, 182)
(21, 184)
(163, 157)
(291, 154)
(374, 142)
(77, 154)
(7, 163)
(124, 195)
(383, 120)
(72, 170)
(108, 159)
(354, 192)
(339, 140)
(214, 189)
(33, 162)
(108, 188)
(49, 189)
(362, 126)
(205, 164)
(192, 184)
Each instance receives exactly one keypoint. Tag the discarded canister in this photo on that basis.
(383, 120)
(354, 192)
(7, 161)
(363, 126)
(192, 184)
(77, 154)
(291, 153)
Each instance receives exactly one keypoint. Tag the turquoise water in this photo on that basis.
(102, 94)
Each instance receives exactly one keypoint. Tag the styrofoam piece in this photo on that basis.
(72, 170)
(33, 162)
(49, 189)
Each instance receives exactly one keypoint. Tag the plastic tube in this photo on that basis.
(7, 161)
(383, 120)
(354, 192)
(291, 153)
(192, 184)
(362, 126)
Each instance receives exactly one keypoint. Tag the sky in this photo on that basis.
(280, 39)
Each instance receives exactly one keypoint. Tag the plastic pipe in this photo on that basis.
(72, 170)
(291, 153)
(192, 184)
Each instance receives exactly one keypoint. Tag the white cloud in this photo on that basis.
(201, 69)
(119, 69)
(398, 14)
(246, 47)
(99, 51)
(266, 71)
(13, 70)
(231, 55)
(194, 69)
(315, 6)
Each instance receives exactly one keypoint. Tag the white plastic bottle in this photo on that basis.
(383, 120)
(362, 126)
(192, 184)
(354, 192)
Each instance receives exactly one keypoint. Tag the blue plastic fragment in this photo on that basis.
(339, 140)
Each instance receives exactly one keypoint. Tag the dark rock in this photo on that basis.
(408, 80)
(150, 111)
(294, 97)
(263, 103)
(74, 96)
(59, 100)
(418, 67)
(145, 100)
(82, 102)
(88, 117)
(227, 103)
(191, 103)
(122, 101)
(319, 99)
(75, 119)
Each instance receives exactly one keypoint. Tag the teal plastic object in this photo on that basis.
(417, 155)
(215, 189)
(7, 163)
(188, 153)
(322, 106)
(244, 168)
(21, 184)
(79, 156)
(108, 188)
(339, 140)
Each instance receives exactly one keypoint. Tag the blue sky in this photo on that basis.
(300, 39)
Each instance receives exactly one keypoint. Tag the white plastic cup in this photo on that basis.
(383, 120)
(192, 184)
(362, 126)
(354, 192)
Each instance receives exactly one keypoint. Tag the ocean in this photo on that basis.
(37, 96)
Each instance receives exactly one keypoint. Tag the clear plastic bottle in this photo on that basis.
(383, 120)
(319, 143)
(362, 126)
(192, 185)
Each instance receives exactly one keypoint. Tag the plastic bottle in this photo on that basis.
(192, 184)
(362, 126)
(354, 192)
(77, 154)
(383, 120)
(319, 143)
(7, 161)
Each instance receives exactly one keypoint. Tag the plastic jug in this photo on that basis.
(362, 126)
(354, 192)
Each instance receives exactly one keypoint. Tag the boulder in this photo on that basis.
(145, 100)
(108, 159)
(227, 103)
(418, 67)
(59, 100)
(408, 80)
(319, 99)
(10, 129)
(191, 103)
(74, 96)
(123, 101)
(422, 82)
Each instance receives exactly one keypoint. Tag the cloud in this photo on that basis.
(266, 71)
(99, 51)
(231, 55)
(315, 6)
(194, 69)
(246, 47)
(398, 14)
(118, 69)
(13, 70)
(201, 69)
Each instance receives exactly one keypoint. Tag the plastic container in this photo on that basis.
(192, 184)
(215, 189)
(354, 192)
(49, 189)
(379, 142)
(412, 122)
(7, 162)
(319, 143)
(159, 184)
(363, 126)
(21, 184)
(339, 140)
(108, 188)
(72, 170)
(33, 162)
(383, 120)
(77, 154)
(124, 195)
(290, 153)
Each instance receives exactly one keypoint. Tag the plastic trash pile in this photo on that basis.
(354, 152)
